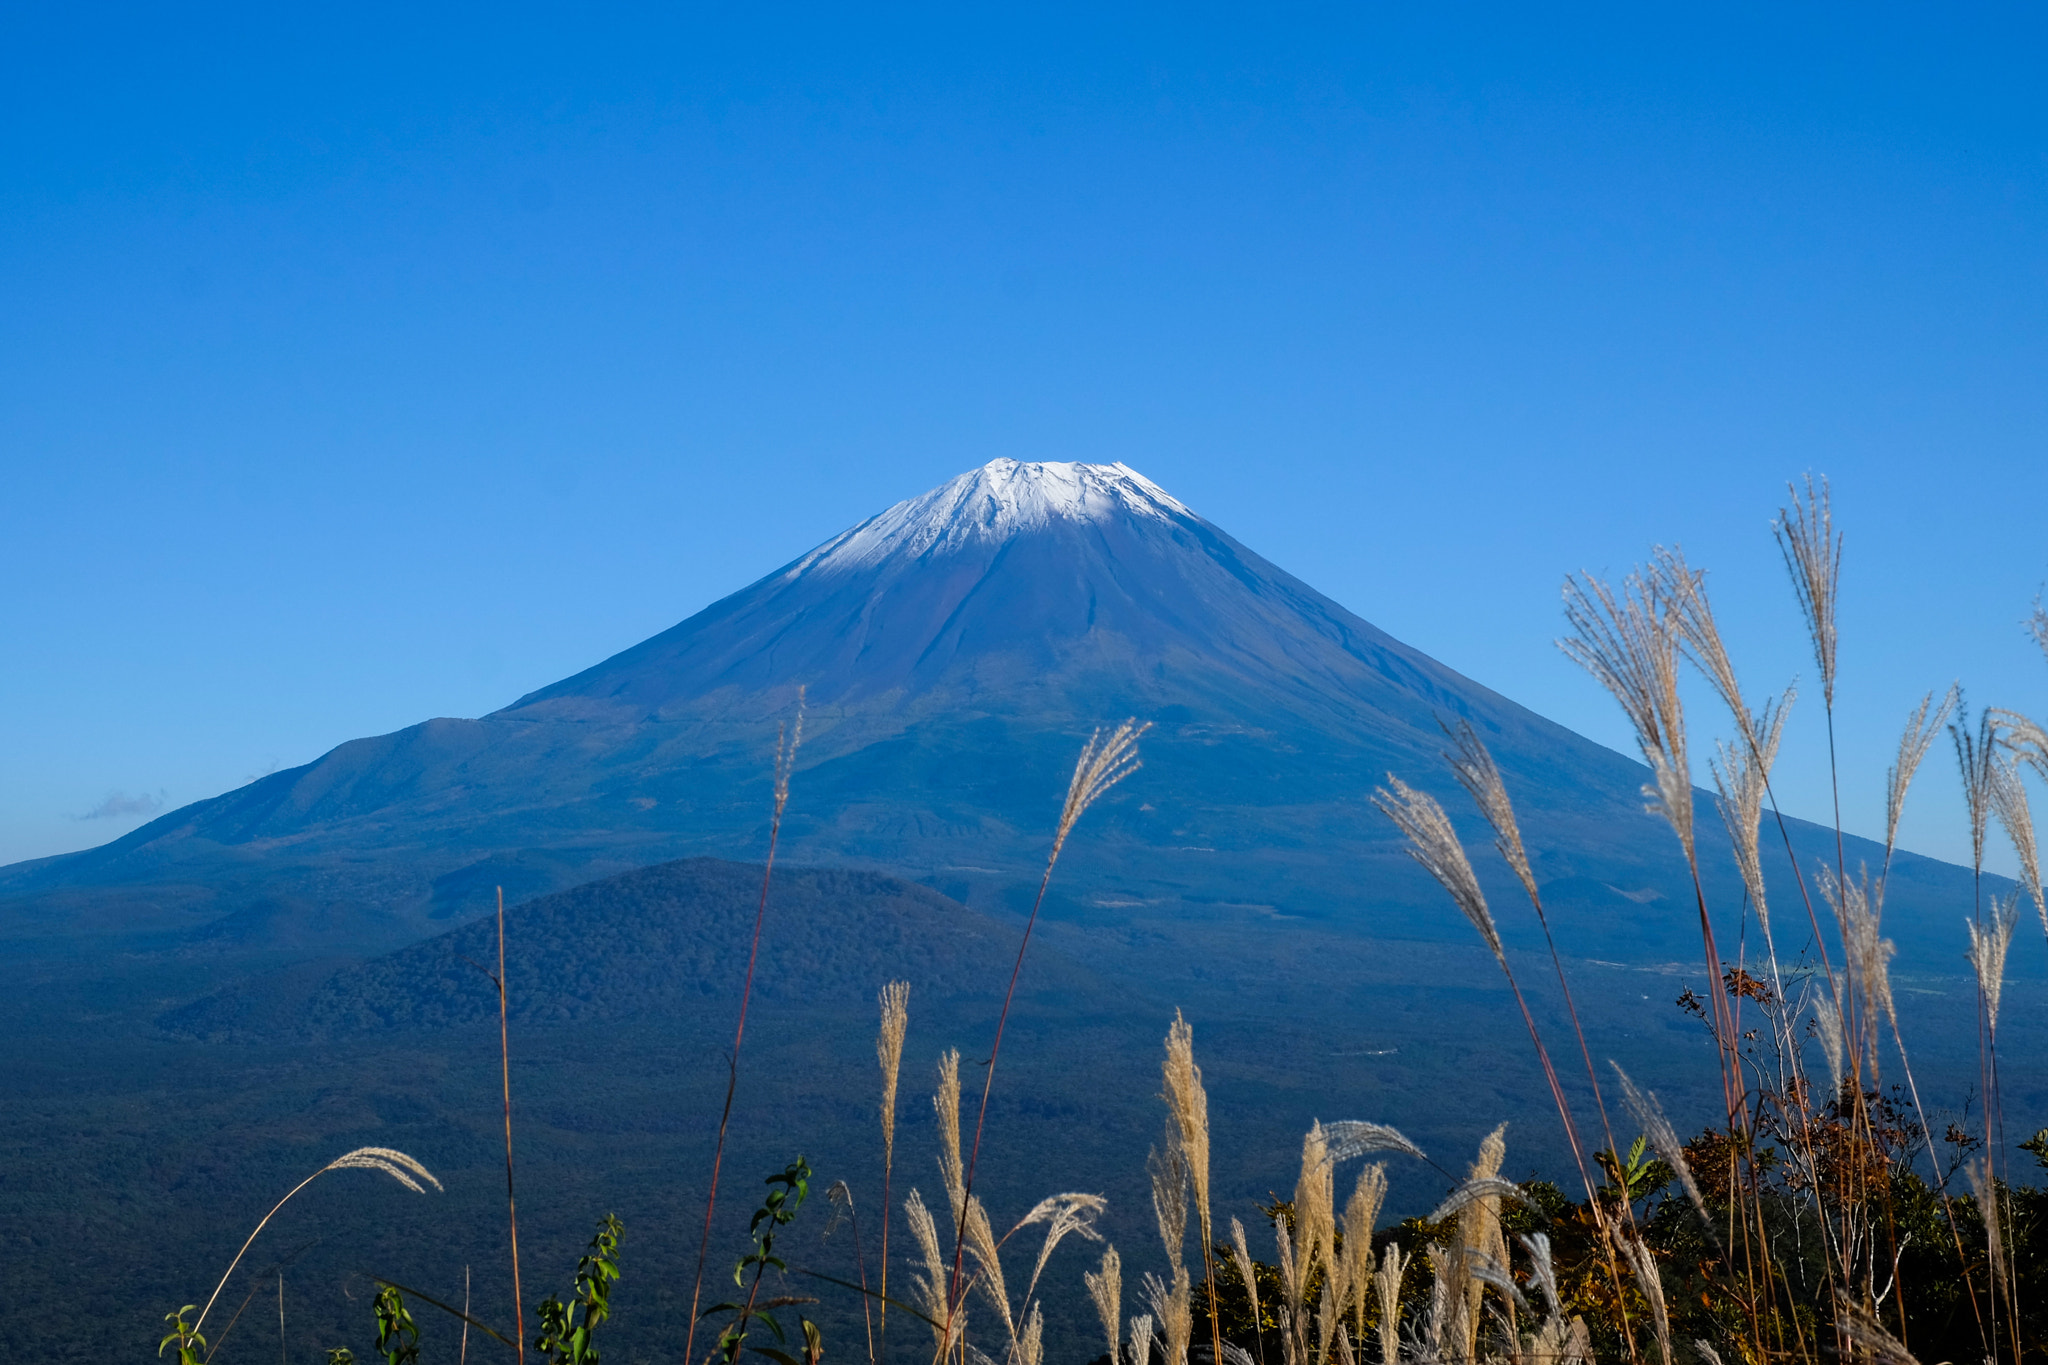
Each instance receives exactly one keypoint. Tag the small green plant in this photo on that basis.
(398, 1337)
(565, 1329)
(340, 1355)
(787, 1190)
(185, 1336)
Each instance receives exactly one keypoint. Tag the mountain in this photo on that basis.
(954, 651)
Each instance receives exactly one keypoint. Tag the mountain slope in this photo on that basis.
(954, 650)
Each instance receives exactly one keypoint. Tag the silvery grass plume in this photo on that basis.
(1361, 1212)
(1742, 777)
(948, 1322)
(1644, 1263)
(1985, 1188)
(1241, 1256)
(1347, 1138)
(1869, 955)
(1869, 1337)
(2009, 803)
(1664, 1140)
(946, 1104)
(785, 756)
(1315, 1214)
(1433, 843)
(1106, 1290)
(1913, 745)
(1141, 1339)
(400, 1167)
(1827, 1022)
(895, 1003)
(1167, 1168)
(1813, 556)
(1105, 761)
(1628, 641)
(1387, 1285)
(970, 1220)
(1542, 1269)
(1476, 1203)
(1030, 1348)
(1063, 1215)
(1172, 1308)
(1699, 638)
(1189, 1104)
(2037, 625)
(1480, 776)
(1974, 752)
(1988, 947)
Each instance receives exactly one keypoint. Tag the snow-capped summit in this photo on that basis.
(992, 504)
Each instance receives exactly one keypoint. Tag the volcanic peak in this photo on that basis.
(991, 504)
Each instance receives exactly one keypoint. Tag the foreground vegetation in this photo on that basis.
(1816, 1215)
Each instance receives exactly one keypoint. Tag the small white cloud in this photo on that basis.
(121, 806)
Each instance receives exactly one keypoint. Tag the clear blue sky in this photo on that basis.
(364, 365)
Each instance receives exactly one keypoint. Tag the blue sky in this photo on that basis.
(362, 366)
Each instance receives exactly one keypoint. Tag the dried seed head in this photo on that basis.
(1988, 947)
(1167, 1165)
(1663, 1138)
(1433, 843)
(1189, 1103)
(2009, 801)
(1106, 1289)
(395, 1164)
(1742, 777)
(946, 1104)
(1628, 641)
(1105, 761)
(1973, 761)
(895, 1002)
(1478, 774)
(785, 754)
(1813, 556)
(1913, 744)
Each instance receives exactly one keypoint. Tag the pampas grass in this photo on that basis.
(895, 1003)
(400, 1167)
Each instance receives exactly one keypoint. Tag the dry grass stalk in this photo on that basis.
(1644, 1264)
(1828, 1021)
(1870, 1338)
(1988, 946)
(1974, 753)
(1064, 1215)
(400, 1167)
(1742, 776)
(1361, 1212)
(1480, 776)
(1106, 1290)
(895, 1004)
(2009, 803)
(787, 741)
(1315, 1219)
(1105, 760)
(1813, 556)
(1628, 641)
(1869, 955)
(1663, 1140)
(1030, 1349)
(1913, 745)
(1479, 1231)
(1167, 1168)
(1387, 1285)
(1434, 843)
(1142, 1330)
(1241, 1256)
(1189, 1104)
(949, 1321)
(1172, 1309)
(946, 1104)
